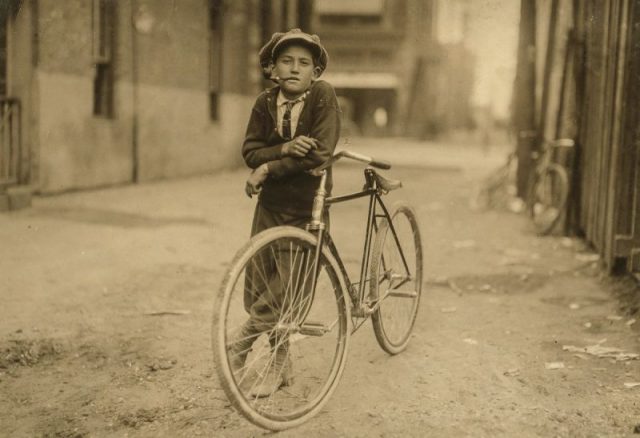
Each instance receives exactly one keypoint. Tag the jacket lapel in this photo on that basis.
(271, 104)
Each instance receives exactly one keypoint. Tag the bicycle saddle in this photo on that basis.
(387, 184)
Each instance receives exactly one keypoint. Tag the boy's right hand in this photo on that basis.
(299, 146)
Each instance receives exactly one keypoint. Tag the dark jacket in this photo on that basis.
(289, 188)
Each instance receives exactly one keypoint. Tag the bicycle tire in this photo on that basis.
(395, 316)
(548, 197)
(318, 357)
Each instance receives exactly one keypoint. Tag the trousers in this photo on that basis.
(278, 275)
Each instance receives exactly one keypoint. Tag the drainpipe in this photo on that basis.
(134, 95)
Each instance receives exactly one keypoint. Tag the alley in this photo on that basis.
(107, 295)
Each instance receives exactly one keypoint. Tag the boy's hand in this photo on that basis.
(257, 177)
(299, 146)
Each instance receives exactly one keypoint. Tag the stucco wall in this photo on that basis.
(164, 81)
(78, 150)
(176, 137)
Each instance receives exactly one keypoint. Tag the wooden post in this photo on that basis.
(524, 94)
(627, 196)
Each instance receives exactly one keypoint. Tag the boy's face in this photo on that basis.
(295, 70)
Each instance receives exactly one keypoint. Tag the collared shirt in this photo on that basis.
(289, 188)
(296, 109)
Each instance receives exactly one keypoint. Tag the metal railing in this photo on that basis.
(9, 141)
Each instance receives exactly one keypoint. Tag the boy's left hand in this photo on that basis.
(257, 177)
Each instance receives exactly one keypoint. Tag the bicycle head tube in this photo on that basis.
(318, 204)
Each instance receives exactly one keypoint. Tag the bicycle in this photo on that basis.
(314, 302)
(494, 190)
(548, 188)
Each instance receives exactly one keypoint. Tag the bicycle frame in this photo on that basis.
(360, 307)
(549, 150)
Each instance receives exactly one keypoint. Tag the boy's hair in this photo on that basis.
(279, 41)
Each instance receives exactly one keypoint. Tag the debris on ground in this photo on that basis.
(470, 341)
(167, 312)
(554, 365)
(454, 287)
(574, 306)
(581, 356)
(631, 384)
(602, 352)
(162, 364)
(459, 244)
(512, 372)
(25, 352)
(140, 417)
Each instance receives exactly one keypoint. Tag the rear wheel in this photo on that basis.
(548, 197)
(396, 279)
(299, 338)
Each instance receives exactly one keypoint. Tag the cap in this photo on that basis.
(279, 40)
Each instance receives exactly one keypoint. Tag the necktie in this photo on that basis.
(286, 120)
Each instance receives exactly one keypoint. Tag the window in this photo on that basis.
(215, 57)
(350, 12)
(349, 7)
(103, 38)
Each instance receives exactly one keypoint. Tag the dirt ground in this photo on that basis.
(107, 301)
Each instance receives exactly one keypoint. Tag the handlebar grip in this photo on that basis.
(380, 164)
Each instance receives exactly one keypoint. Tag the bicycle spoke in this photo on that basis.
(288, 362)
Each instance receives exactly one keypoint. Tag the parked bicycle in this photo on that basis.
(548, 187)
(314, 302)
(497, 189)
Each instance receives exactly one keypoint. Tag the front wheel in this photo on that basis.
(548, 197)
(396, 279)
(280, 343)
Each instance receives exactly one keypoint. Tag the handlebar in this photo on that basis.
(549, 145)
(380, 164)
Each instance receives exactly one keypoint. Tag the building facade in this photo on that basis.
(394, 75)
(104, 92)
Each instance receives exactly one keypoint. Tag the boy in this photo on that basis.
(294, 127)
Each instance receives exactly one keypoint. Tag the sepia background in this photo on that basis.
(122, 204)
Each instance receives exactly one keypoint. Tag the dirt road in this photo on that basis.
(107, 295)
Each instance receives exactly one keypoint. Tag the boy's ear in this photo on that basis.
(317, 71)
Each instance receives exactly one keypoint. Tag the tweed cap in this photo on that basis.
(279, 40)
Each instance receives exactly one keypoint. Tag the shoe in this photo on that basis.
(278, 375)
(239, 349)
